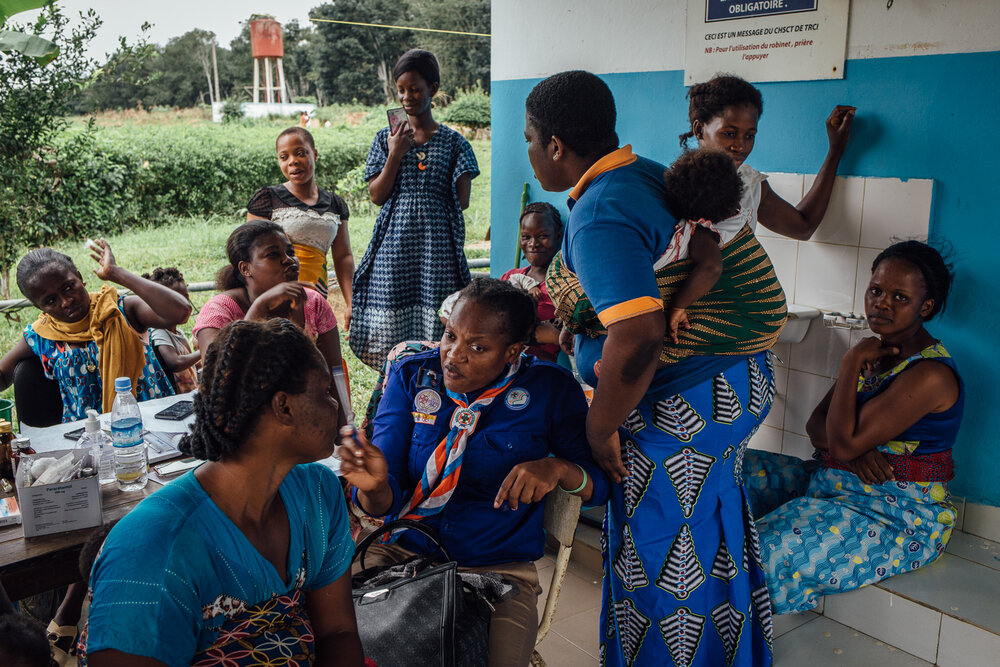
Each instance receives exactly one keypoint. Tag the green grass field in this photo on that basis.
(197, 248)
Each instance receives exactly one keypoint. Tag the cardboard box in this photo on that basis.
(10, 514)
(60, 506)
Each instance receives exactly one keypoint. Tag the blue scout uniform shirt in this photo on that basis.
(618, 227)
(544, 412)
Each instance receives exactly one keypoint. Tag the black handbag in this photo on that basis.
(429, 620)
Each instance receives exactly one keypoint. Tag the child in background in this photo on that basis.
(541, 232)
(171, 344)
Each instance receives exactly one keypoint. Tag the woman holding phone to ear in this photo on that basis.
(421, 175)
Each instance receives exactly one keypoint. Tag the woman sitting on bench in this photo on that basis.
(876, 503)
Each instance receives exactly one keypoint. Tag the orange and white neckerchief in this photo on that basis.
(440, 477)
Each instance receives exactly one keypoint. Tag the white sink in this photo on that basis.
(797, 325)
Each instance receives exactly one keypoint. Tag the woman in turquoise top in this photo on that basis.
(245, 559)
(876, 502)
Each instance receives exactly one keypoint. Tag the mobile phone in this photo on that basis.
(397, 117)
(74, 434)
(177, 411)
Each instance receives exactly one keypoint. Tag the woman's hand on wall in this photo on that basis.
(838, 127)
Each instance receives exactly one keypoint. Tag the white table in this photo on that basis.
(50, 438)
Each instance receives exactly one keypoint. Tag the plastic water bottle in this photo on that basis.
(100, 446)
(126, 435)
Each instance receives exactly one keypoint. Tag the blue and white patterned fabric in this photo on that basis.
(75, 369)
(416, 256)
(831, 532)
(683, 583)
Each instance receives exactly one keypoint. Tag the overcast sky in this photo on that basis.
(173, 18)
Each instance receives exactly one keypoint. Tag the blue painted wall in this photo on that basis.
(918, 117)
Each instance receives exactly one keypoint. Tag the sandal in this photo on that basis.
(62, 639)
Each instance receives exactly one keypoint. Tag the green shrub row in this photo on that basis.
(200, 170)
(122, 176)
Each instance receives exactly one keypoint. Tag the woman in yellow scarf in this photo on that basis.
(86, 339)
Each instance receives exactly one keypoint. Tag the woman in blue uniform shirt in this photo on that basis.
(469, 439)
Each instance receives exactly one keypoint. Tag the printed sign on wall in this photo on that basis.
(766, 40)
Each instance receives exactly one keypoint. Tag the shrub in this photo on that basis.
(470, 108)
(104, 180)
(232, 111)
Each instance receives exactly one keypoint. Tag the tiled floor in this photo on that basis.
(962, 588)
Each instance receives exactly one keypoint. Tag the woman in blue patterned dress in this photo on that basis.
(876, 503)
(682, 579)
(83, 338)
(421, 176)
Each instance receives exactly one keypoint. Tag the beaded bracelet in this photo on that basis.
(582, 484)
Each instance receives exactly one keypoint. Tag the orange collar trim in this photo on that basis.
(617, 158)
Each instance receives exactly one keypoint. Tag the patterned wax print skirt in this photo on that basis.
(825, 531)
(683, 583)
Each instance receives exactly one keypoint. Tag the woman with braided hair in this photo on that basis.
(245, 559)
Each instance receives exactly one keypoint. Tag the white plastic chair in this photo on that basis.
(562, 512)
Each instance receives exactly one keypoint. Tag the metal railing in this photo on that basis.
(16, 304)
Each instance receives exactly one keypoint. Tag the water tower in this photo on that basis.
(268, 49)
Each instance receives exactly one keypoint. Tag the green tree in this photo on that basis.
(34, 101)
(20, 41)
(464, 59)
(184, 70)
(355, 62)
(36, 148)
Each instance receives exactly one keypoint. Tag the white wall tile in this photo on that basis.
(776, 416)
(982, 520)
(783, 253)
(883, 615)
(806, 391)
(842, 221)
(895, 210)
(767, 439)
(821, 351)
(786, 186)
(824, 276)
(783, 352)
(959, 503)
(965, 645)
(796, 445)
(865, 258)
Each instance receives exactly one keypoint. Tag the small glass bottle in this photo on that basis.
(6, 453)
(20, 447)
